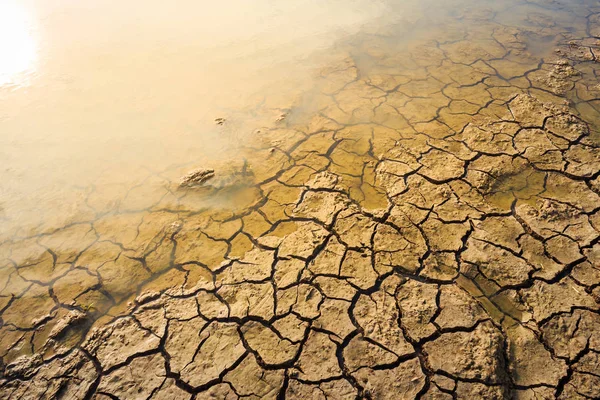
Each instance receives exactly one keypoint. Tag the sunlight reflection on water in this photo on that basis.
(17, 44)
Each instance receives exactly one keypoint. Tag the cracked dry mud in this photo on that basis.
(430, 231)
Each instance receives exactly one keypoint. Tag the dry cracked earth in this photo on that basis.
(429, 229)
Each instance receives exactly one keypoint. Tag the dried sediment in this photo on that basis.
(433, 232)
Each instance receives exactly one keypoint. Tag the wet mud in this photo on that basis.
(424, 224)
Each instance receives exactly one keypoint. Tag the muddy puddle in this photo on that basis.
(330, 200)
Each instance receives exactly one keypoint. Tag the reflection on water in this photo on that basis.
(122, 90)
(17, 45)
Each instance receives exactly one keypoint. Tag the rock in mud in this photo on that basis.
(196, 177)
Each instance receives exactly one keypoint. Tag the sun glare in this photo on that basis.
(17, 44)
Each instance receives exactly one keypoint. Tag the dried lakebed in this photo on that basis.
(431, 230)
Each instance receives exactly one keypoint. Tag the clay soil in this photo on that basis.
(430, 230)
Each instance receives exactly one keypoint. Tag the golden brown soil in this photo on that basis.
(425, 224)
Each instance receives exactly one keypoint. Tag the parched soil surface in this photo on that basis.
(427, 227)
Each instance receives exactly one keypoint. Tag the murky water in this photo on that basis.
(104, 106)
(97, 97)
(97, 93)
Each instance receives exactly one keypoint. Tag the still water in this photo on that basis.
(97, 94)
(100, 93)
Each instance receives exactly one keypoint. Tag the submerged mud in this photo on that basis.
(424, 224)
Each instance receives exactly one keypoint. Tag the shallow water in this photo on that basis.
(105, 106)
(92, 97)
(97, 93)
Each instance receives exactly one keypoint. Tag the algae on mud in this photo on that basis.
(423, 223)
